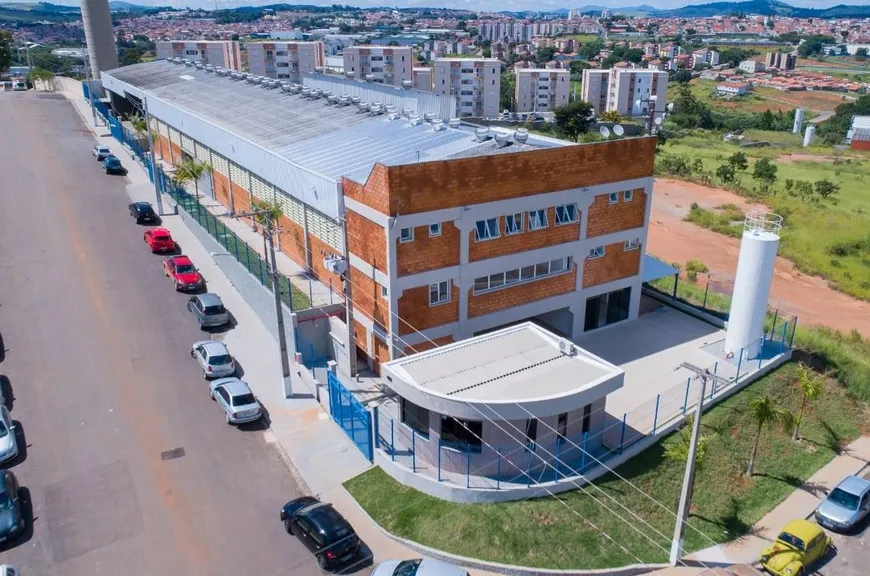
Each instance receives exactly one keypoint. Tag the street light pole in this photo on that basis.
(153, 156)
(689, 477)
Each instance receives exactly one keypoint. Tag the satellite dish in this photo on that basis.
(637, 103)
(618, 130)
(658, 121)
(605, 131)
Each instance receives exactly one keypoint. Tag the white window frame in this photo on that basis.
(628, 196)
(596, 253)
(614, 197)
(523, 275)
(517, 221)
(437, 288)
(403, 238)
(490, 235)
(434, 229)
(384, 292)
(540, 215)
(565, 208)
(632, 244)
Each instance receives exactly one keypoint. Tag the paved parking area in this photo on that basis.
(852, 557)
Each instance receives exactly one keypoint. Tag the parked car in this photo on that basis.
(100, 152)
(214, 358)
(208, 310)
(159, 240)
(8, 440)
(112, 165)
(322, 530)
(236, 399)
(9, 570)
(183, 273)
(800, 544)
(417, 567)
(11, 521)
(846, 505)
(143, 212)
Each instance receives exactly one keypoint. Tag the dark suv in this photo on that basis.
(322, 530)
(11, 521)
(142, 212)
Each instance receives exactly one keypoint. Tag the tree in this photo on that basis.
(688, 111)
(610, 116)
(825, 188)
(765, 412)
(682, 77)
(678, 451)
(573, 119)
(43, 76)
(5, 50)
(726, 173)
(861, 54)
(811, 388)
(738, 161)
(271, 211)
(140, 127)
(191, 171)
(764, 173)
(130, 56)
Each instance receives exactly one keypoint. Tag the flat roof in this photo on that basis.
(515, 364)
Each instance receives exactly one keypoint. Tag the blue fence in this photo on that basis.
(353, 417)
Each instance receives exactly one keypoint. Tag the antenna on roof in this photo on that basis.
(618, 130)
(605, 131)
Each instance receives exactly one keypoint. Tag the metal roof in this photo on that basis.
(518, 363)
(653, 269)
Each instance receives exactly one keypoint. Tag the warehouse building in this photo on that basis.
(452, 231)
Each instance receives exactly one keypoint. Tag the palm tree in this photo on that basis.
(191, 171)
(764, 412)
(271, 211)
(679, 451)
(811, 387)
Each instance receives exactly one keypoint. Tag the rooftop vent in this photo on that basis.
(391, 108)
(502, 140)
(454, 122)
(376, 108)
(332, 99)
(344, 100)
(406, 112)
(198, 65)
(438, 125)
(295, 88)
(188, 63)
(393, 116)
(306, 92)
(285, 87)
(349, 74)
(354, 100)
(249, 78)
(209, 68)
(273, 84)
(430, 116)
(370, 77)
(258, 80)
(237, 76)
(521, 136)
(363, 106)
(318, 69)
(327, 93)
(407, 84)
(415, 119)
(482, 134)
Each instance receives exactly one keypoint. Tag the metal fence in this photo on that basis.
(353, 417)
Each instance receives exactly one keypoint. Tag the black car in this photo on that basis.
(322, 530)
(11, 521)
(143, 212)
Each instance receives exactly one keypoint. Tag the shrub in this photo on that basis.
(695, 267)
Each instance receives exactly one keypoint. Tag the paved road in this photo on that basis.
(853, 552)
(96, 361)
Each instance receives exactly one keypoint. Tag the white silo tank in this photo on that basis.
(798, 121)
(809, 135)
(752, 284)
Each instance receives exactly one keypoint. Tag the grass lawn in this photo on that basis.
(559, 533)
(583, 38)
(830, 239)
(726, 219)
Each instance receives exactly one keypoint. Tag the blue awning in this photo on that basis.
(653, 268)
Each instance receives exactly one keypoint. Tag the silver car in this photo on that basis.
(8, 440)
(417, 567)
(214, 358)
(208, 310)
(236, 399)
(846, 505)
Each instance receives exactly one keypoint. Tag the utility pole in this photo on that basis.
(268, 232)
(153, 156)
(689, 478)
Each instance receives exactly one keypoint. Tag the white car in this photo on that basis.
(8, 440)
(417, 567)
(101, 152)
(236, 400)
(213, 358)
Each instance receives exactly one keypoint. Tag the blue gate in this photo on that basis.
(352, 416)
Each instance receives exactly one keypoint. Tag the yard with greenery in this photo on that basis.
(566, 531)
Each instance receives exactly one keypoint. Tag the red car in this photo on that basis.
(159, 240)
(183, 273)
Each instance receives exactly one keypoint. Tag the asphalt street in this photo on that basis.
(852, 555)
(129, 467)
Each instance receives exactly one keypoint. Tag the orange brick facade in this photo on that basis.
(428, 345)
(606, 218)
(416, 314)
(292, 238)
(489, 302)
(427, 252)
(616, 263)
(367, 240)
(221, 187)
(368, 299)
(525, 240)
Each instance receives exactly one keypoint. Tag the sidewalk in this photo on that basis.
(317, 451)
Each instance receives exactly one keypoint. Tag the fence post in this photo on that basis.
(715, 368)
(310, 293)
(330, 290)
(528, 468)
(793, 330)
(556, 467)
(260, 265)
(373, 429)
(761, 351)
(439, 458)
(622, 434)
(377, 427)
(656, 416)
(468, 466)
(583, 452)
(413, 451)
(498, 472)
(686, 399)
(392, 440)
(739, 364)
(706, 289)
(773, 328)
(782, 338)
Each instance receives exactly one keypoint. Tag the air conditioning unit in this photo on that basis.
(567, 348)
(335, 264)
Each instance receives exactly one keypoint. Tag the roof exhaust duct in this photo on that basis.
(407, 84)
(97, 25)
(363, 106)
(430, 116)
(438, 125)
(454, 123)
(482, 134)
(502, 140)
(415, 120)
(354, 100)
(521, 136)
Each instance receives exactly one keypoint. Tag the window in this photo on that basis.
(596, 252)
(607, 309)
(566, 214)
(486, 229)
(587, 418)
(632, 244)
(627, 196)
(513, 223)
(614, 197)
(283, 64)
(461, 434)
(439, 293)
(281, 53)
(562, 425)
(415, 417)
(524, 274)
(537, 219)
(406, 235)
(434, 229)
(531, 432)
(384, 292)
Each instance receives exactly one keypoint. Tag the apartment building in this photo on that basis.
(422, 78)
(705, 57)
(476, 84)
(285, 60)
(381, 64)
(223, 53)
(541, 89)
(780, 60)
(630, 91)
(751, 66)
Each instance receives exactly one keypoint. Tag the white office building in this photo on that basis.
(541, 89)
(285, 60)
(223, 53)
(476, 83)
(381, 64)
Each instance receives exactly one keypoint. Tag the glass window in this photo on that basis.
(439, 293)
(542, 269)
(435, 229)
(566, 214)
(537, 219)
(627, 196)
(461, 434)
(632, 244)
(415, 417)
(614, 197)
(527, 272)
(513, 223)
(384, 292)
(596, 252)
(562, 424)
(512, 277)
(532, 432)
(406, 235)
(496, 280)
(587, 418)
(557, 266)
(486, 229)
(481, 284)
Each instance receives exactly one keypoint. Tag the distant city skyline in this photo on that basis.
(482, 5)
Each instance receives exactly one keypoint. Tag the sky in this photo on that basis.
(489, 5)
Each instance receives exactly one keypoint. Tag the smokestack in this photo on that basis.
(97, 23)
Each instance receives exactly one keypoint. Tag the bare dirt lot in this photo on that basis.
(673, 240)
